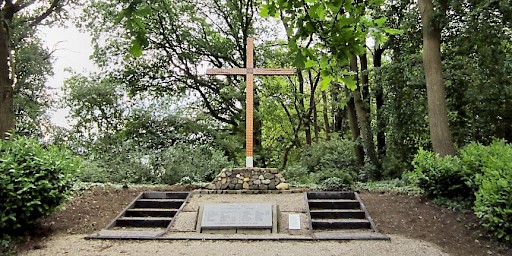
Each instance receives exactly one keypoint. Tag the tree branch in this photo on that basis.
(56, 5)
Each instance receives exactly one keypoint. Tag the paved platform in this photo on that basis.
(185, 223)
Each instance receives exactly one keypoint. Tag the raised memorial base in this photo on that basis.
(250, 178)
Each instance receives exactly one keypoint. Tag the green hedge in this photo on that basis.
(480, 175)
(441, 176)
(493, 204)
(330, 164)
(34, 180)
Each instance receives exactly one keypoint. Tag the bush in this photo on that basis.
(34, 180)
(480, 176)
(336, 183)
(441, 177)
(324, 160)
(493, 204)
(333, 155)
(199, 162)
(297, 174)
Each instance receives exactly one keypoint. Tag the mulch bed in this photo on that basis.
(455, 232)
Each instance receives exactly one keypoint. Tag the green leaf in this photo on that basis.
(264, 11)
(119, 17)
(349, 82)
(320, 11)
(324, 83)
(393, 31)
(144, 11)
(324, 62)
(310, 63)
(136, 49)
(299, 60)
(380, 22)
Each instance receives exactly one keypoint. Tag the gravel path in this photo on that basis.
(77, 245)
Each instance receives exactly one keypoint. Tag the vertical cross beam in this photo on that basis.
(249, 71)
(249, 108)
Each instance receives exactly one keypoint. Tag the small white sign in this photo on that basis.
(294, 222)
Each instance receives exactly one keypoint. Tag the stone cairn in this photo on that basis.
(249, 179)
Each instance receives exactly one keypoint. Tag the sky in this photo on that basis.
(72, 51)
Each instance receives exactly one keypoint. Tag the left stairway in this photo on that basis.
(150, 215)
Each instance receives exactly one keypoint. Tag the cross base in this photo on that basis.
(249, 161)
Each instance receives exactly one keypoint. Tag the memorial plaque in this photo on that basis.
(222, 216)
(294, 222)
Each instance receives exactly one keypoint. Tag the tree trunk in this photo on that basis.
(364, 122)
(307, 121)
(337, 112)
(326, 116)
(354, 128)
(365, 86)
(440, 134)
(379, 101)
(6, 82)
(312, 103)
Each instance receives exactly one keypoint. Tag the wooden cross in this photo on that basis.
(249, 73)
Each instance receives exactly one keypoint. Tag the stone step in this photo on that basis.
(338, 214)
(165, 195)
(150, 212)
(331, 195)
(333, 204)
(146, 233)
(143, 222)
(159, 203)
(352, 234)
(332, 224)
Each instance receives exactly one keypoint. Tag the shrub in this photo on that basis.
(324, 160)
(493, 204)
(297, 174)
(440, 176)
(198, 162)
(393, 167)
(335, 154)
(336, 183)
(481, 176)
(34, 180)
(91, 172)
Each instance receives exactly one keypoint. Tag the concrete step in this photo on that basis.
(151, 212)
(333, 204)
(337, 214)
(159, 203)
(143, 222)
(165, 195)
(353, 234)
(331, 195)
(332, 224)
(145, 233)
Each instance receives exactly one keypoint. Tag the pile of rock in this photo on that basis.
(249, 178)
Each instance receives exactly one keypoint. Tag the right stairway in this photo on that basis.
(340, 215)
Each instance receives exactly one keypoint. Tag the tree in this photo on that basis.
(32, 97)
(338, 30)
(174, 42)
(20, 15)
(440, 133)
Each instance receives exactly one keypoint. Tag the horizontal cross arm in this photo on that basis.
(255, 71)
(226, 71)
(274, 71)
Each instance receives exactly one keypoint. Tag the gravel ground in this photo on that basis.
(414, 224)
(77, 245)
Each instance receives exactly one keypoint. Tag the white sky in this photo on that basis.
(72, 51)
